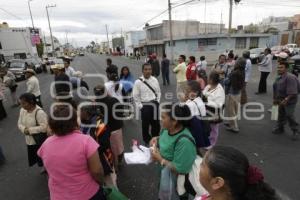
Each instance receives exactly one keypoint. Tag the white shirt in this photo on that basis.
(215, 97)
(142, 93)
(9, 79)
(27, 120)
(266, 65)
(197, 107)
(33, 86)
(110, 88)
(248, 70)
(70, 71)
(202, 65)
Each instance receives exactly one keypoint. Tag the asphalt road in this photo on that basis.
(278, 156)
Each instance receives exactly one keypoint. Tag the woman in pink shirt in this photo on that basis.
(71, 159)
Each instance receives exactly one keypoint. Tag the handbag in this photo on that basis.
(112, 193)
(39, 138)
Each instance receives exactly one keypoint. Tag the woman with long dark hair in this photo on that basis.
(227, 175)
(174, 149)
(127, 80)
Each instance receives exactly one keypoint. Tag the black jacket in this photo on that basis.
(108, 112)
(155, 68)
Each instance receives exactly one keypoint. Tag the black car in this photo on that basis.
(18, 67)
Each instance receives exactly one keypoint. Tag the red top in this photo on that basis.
(191, 72)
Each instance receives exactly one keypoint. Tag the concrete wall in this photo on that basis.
(211, 52)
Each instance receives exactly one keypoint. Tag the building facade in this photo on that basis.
(189, 39)
(18, 42)
(133, 41)
(280, 23)
(58, 48)
(212, 45)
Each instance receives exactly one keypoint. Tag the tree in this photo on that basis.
(272, 30)
(252, 28)
(40, 49)
(93, 43)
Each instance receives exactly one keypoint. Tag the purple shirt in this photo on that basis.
(287, 85)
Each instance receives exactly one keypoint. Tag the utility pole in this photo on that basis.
(221, 22)
(171, 32)
(45, 44)
(230, 15)
(52, 42)
(30, 12)
(205, 24)
(67, 40)
(107, 37)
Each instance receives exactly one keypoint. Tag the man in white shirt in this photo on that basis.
(202, 64)
(180, 71)
(68, 69)
(146, 94)
(9, 80)
(33, 85)
(265, 68)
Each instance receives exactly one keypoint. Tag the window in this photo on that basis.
(174, 43)
(240, 43)
(254, 42)
(207, 42)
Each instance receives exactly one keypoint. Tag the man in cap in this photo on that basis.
(62, 81)
(286, 89)
(68, 69)
(33, 85)
(9, 80)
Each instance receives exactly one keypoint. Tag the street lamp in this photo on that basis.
(30, 12)
(52, 42)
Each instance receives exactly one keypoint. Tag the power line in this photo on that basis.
(259, 3)
(163, 12)
(11, 14)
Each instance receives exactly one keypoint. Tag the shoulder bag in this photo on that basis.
(151, 88)
(39, 138)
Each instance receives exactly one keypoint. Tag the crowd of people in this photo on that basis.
(82, 153)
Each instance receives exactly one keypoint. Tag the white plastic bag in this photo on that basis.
(274, 114)
(140, 155)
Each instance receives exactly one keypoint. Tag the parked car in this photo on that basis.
(256, 55)
(36, 63)
(17, 67)
(81, 54)
(293, 48)
(54, 61)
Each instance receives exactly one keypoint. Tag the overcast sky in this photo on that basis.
(85, 19)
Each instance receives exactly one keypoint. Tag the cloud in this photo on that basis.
(85, 19)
